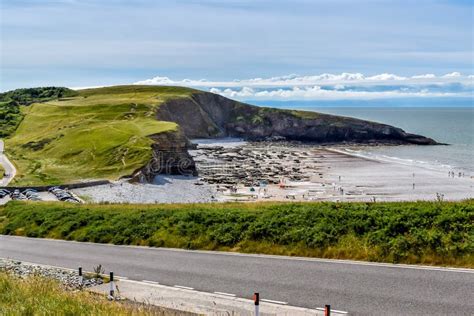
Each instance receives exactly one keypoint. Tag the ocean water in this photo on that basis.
(454, 126)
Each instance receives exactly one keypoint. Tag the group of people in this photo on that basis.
(452, 174)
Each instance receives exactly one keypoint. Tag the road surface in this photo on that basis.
(357, 287)
(10, 169)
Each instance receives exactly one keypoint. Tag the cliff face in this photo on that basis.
(169, 156)
(206, 115)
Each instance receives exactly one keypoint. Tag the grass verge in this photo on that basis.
(433, 233)
(41, 296)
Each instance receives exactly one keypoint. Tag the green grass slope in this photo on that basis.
(41, 296)
(437, 233)
(97, 133)
(10, 102)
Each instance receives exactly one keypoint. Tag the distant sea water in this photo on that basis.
(451, 125)
(454, 126)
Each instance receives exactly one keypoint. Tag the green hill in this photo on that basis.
(98, 133)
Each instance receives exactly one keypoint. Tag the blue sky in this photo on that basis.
(80, 43)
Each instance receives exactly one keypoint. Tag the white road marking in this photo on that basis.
(226, 294)
(151, 282)
(184, 287)
(274, 302)
(332, 310)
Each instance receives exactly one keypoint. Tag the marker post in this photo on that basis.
(81, 279)
(112, 287)
(256, 300)
(327, 310)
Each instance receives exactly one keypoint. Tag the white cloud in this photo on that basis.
(322, 79)
(332, 86)
(425, 76)
(386, 76)
(318, 93)
(452, 75)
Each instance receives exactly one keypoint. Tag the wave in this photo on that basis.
(432, 165)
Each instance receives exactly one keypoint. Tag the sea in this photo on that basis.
(454, 126)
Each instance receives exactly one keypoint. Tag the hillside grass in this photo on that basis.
(41, 296)
(99, 133)
(10, 118)
(432, 233)
(10, 102)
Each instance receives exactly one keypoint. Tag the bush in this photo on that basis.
(410, 232)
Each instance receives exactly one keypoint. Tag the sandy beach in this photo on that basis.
(239, 171)
(364, 179)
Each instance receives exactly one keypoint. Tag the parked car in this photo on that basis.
(4, 193)
(17, 195)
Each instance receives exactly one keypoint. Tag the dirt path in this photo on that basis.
(10, 170)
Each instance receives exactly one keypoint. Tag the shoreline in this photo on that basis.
(236, 170)
(306, 173)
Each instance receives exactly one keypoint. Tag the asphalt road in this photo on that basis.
(356, 287)
(10, 169)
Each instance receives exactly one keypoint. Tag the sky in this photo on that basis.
(268, 50)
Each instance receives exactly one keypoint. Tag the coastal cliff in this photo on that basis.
(170, 156)
(208, 115)
(56, 135)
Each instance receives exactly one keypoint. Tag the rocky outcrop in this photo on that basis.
(170, 156)
(207, 115)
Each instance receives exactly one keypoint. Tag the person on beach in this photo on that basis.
(413, 185)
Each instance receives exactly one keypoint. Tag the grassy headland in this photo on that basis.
(41, 296)
(435, 233)
(10, 102)
(95, 133)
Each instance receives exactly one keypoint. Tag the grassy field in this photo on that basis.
(40, 296)
(2, 171)
(99, 133)
(434, 233)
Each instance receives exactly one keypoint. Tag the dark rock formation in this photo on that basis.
(207, 115)
(170, 156)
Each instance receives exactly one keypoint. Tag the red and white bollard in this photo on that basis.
(256, 300)
(327, 310)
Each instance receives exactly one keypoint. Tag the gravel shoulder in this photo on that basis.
(68, 278)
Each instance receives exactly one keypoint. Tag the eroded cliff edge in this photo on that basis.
(169, 156)
(208, 115)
